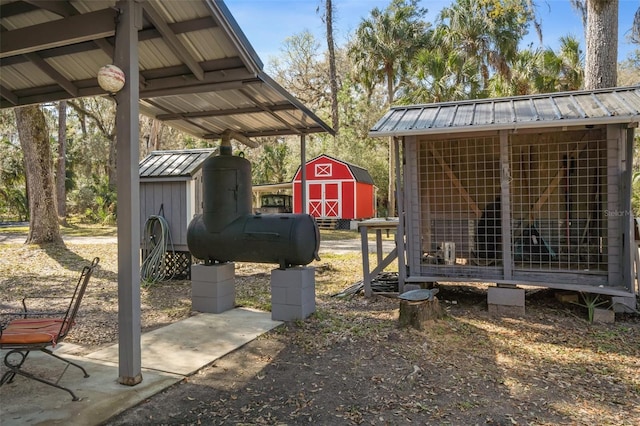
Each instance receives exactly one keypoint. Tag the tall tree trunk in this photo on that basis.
(154, 134)
(111, 163)
(34, 140)
(333, 77)
(601, 64)
(61, 171)
(392, 163)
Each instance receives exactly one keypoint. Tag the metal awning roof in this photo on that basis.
(578, 108)
(198, 72)
(195, 70)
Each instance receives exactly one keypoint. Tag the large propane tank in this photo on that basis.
(227, 231)
(226, 190)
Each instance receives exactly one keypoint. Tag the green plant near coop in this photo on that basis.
(591, 302)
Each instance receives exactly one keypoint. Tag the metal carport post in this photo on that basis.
(128, 189)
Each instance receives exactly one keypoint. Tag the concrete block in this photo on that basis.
(216, 272)
(301, 276)
(409, 287)
(505, 296)
(506, 311)
(604, 316)
(213, 289)
(213, 305)
(566, 297)
(293, 293)
(623, 304)
(283, 312)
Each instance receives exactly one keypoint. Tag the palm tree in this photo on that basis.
(525, 75)
(382, 50)
(572, 63)
(442, 74)
(486, 33)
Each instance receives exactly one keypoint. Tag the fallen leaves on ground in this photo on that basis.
(349, 363)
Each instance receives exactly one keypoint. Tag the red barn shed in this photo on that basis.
(335, 190)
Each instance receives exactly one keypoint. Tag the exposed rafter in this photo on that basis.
(223, 112)
(59, 7)
(74, 29)
(144, 35)
(53, 73)
(205, 130)
(265, 108)
(9, 96)
(176, 46)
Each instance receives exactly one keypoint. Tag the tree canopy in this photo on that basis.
(472, 49)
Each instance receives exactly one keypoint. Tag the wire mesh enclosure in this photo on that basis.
(521, 190)
(538, 204)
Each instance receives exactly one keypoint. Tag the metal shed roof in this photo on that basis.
(198, 72)
(586, 107)
(174, 163)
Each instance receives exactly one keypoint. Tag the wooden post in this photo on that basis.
(416, 313)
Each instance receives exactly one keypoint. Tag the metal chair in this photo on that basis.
(40, 330)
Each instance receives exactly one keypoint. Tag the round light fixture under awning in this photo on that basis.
(111, 78)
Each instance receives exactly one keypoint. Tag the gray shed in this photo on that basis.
(527, 190)
(171, 187)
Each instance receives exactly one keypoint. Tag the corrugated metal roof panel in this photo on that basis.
(445, 116)
(631, 100)
(524, 111)
(586, 107)
(175, 163)
(545, 109)
(483, 114)
(503, 113)
(464, 115)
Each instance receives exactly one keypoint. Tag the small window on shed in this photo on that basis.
(324, 170)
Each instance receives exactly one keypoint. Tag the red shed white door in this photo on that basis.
(324, 199)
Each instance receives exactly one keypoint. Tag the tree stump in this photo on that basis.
(416, 313)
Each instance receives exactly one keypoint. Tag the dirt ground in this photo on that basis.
(548, 368)
(351, 364)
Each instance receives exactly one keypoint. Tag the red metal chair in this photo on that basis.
(40, 330)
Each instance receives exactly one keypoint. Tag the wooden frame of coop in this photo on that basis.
(530, 190)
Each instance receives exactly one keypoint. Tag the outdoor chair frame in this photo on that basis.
(32, 330)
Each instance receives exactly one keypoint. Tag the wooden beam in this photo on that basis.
(561, 173)
(454, 179)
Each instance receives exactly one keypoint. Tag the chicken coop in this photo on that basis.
(170, 195)
(528, 190)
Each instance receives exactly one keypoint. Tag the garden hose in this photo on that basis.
(155, 248)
